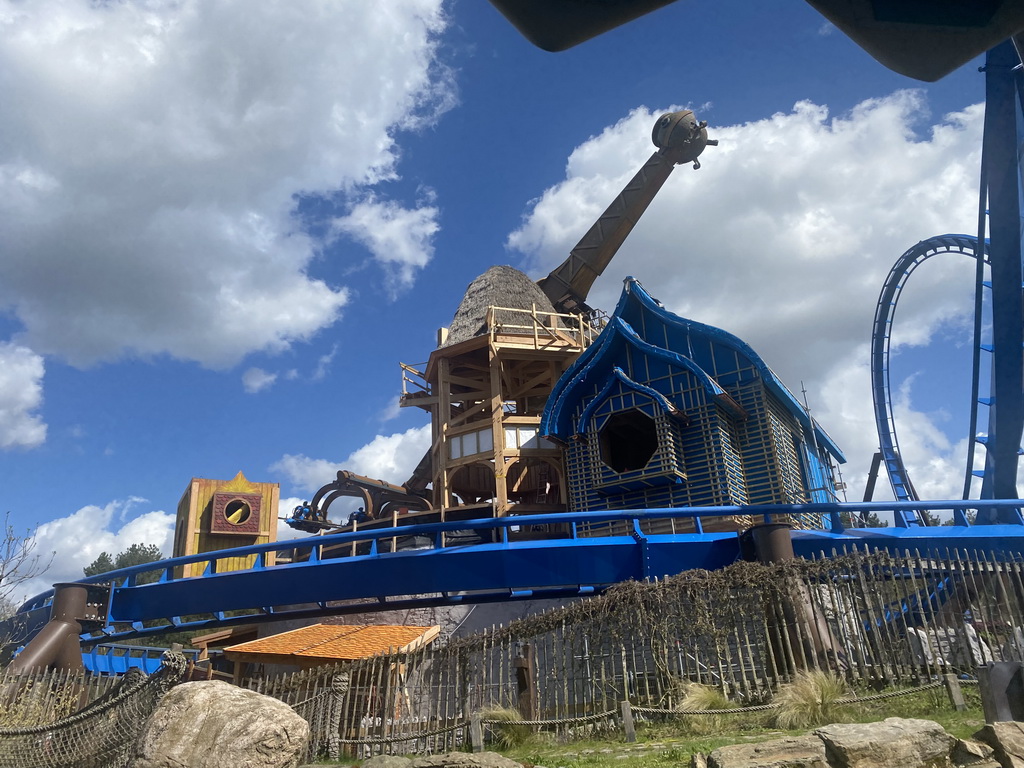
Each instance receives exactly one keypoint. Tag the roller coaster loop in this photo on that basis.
(881, 336)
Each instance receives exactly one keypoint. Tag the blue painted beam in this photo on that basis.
(991, 539)
(528, 565)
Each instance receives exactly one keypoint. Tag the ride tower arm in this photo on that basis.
(680, 138)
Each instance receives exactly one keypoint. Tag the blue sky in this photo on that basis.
(222, 228)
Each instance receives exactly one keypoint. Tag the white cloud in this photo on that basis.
(21, 394)
(78, 539)
(392, 410)
(323, 364)
(256, 380)
(399, 238)
(304, 472)
(387, 457)
(153, 152)
(391, 456)
(784, 238)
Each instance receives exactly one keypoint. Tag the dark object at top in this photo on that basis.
(555, 25)
(923, 39)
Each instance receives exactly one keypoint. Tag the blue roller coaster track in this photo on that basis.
(999, 213)
(307, 582)
(881, 336)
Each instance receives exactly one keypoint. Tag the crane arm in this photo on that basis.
(680, 138)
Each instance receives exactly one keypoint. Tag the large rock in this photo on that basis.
(974, 754)
(465, 760)
(896, 741)
(804, 752)
(1007, 739)
(387, 761)
(217, 725)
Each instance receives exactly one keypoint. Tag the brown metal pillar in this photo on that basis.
(804, 628)
(526, 685)
(57, 645)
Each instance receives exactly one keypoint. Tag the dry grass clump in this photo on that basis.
(507, 728)
(30, 704)
(812, 699)
(697, 698)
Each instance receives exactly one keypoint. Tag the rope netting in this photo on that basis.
(102, 734)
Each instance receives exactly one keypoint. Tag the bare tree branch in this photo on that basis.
(19, 562)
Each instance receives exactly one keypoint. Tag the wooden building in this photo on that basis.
(325, 644)
(661, 411)
(485, 387)
(221, 514)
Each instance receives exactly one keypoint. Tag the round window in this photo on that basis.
(237, 511)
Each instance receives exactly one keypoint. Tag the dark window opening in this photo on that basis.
(237, 512)
(628, 440)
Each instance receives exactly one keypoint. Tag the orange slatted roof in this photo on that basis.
(322, 643)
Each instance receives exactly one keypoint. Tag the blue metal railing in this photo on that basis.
(109, 659)
(497, 568)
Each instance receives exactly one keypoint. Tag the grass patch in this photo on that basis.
(669, 743)
(696, 698)
(812, 699)
(30, 704)
(506, 728)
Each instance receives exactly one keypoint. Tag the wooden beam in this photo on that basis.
(498, 438)
(461, 418)
(532, 383)
(463, 381)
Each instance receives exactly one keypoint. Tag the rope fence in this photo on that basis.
(101, 734)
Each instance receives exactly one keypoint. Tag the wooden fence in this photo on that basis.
(876, 620)
(872, 618)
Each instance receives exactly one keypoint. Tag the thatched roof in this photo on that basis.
(499, 286)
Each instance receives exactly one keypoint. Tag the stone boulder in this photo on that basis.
(465, 760)
(1007, 739)
(212, 724)
(387, 761)
(804, 752)
(974, 754)
(896, 741)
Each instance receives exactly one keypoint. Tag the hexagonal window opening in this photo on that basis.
(628, 440)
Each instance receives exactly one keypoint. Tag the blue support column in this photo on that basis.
(1006, 418)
